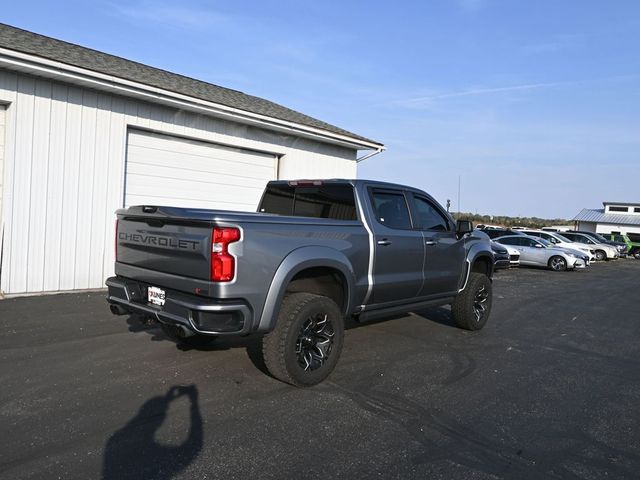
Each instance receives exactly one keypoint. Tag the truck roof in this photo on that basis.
(351, 181)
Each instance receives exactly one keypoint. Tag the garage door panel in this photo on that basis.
(196, 163)
(215, 153)
(215, 198)
(211, 178)
(154, 142)
(168, 170)
(157, 186)
(193, 203)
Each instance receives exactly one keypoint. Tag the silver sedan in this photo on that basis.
(540, 253)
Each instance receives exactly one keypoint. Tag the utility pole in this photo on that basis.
(459, 209)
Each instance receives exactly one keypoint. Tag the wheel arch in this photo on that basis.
(483, 264)
(314, 269)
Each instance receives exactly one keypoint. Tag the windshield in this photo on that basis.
(546, 243)
(563, 238)
(597, 236)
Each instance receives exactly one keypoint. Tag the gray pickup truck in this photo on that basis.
(315, 254)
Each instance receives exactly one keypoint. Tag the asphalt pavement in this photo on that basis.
(549, 389)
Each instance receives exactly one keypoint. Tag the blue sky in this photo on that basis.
(534, 104)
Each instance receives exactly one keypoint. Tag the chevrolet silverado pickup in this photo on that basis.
(315, 254)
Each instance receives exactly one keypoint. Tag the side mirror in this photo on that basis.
(463, 227)
(537, 245)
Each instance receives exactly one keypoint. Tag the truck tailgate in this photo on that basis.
(175, 246)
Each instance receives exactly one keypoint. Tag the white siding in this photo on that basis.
(2, 131)
(64, 160)
(608, 228)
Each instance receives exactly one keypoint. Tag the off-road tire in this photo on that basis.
(557, 263)
(282, 348)
(194, 341)
(477, 295)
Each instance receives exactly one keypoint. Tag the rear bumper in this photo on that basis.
(198, 314)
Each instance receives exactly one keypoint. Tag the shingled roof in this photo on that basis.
(16, 39)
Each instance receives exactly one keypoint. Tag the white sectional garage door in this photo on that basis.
(168, 170)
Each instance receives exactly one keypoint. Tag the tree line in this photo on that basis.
(506, 221)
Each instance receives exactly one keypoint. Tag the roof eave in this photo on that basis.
(27, 63)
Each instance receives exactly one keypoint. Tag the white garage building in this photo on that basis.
(614, 217)
(83, 133)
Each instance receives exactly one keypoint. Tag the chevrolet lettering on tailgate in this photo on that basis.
(166, 242)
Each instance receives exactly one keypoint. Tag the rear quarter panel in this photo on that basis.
(264, 249)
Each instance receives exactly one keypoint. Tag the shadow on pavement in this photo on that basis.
(133, 452)
(439, 315)
(252, 343)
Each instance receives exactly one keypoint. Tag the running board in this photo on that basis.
(404, 308)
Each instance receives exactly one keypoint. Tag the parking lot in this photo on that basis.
(549, 389)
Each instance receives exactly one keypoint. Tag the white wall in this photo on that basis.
(63, 175)
(587, 226)
(624, 229)
(630, 209)
(2, 129)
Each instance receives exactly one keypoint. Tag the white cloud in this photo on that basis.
(173, 15)
(426, 101)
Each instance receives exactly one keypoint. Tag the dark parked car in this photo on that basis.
(500, 232)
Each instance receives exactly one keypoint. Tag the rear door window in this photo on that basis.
(512, 240)
(319, 201)
(391, 209)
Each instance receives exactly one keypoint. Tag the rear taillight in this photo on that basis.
(223, 264)
(115, 244)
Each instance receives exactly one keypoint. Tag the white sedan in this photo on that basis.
(558, 240)
(514, 256)
(540, 253)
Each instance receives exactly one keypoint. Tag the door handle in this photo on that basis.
(430, 242)
(384, 242)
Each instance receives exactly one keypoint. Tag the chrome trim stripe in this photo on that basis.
(464, 285)
(371, 249)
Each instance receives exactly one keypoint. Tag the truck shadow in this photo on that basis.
(133, 452)
(252, 344)
(438, 315)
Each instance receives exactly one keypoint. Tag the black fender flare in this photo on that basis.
(296, 261)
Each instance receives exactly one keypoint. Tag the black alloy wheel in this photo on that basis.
(305, 345)
(472, 306)
(480, 303)
(315, 342)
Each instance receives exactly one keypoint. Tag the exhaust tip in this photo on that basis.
(117, 310)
